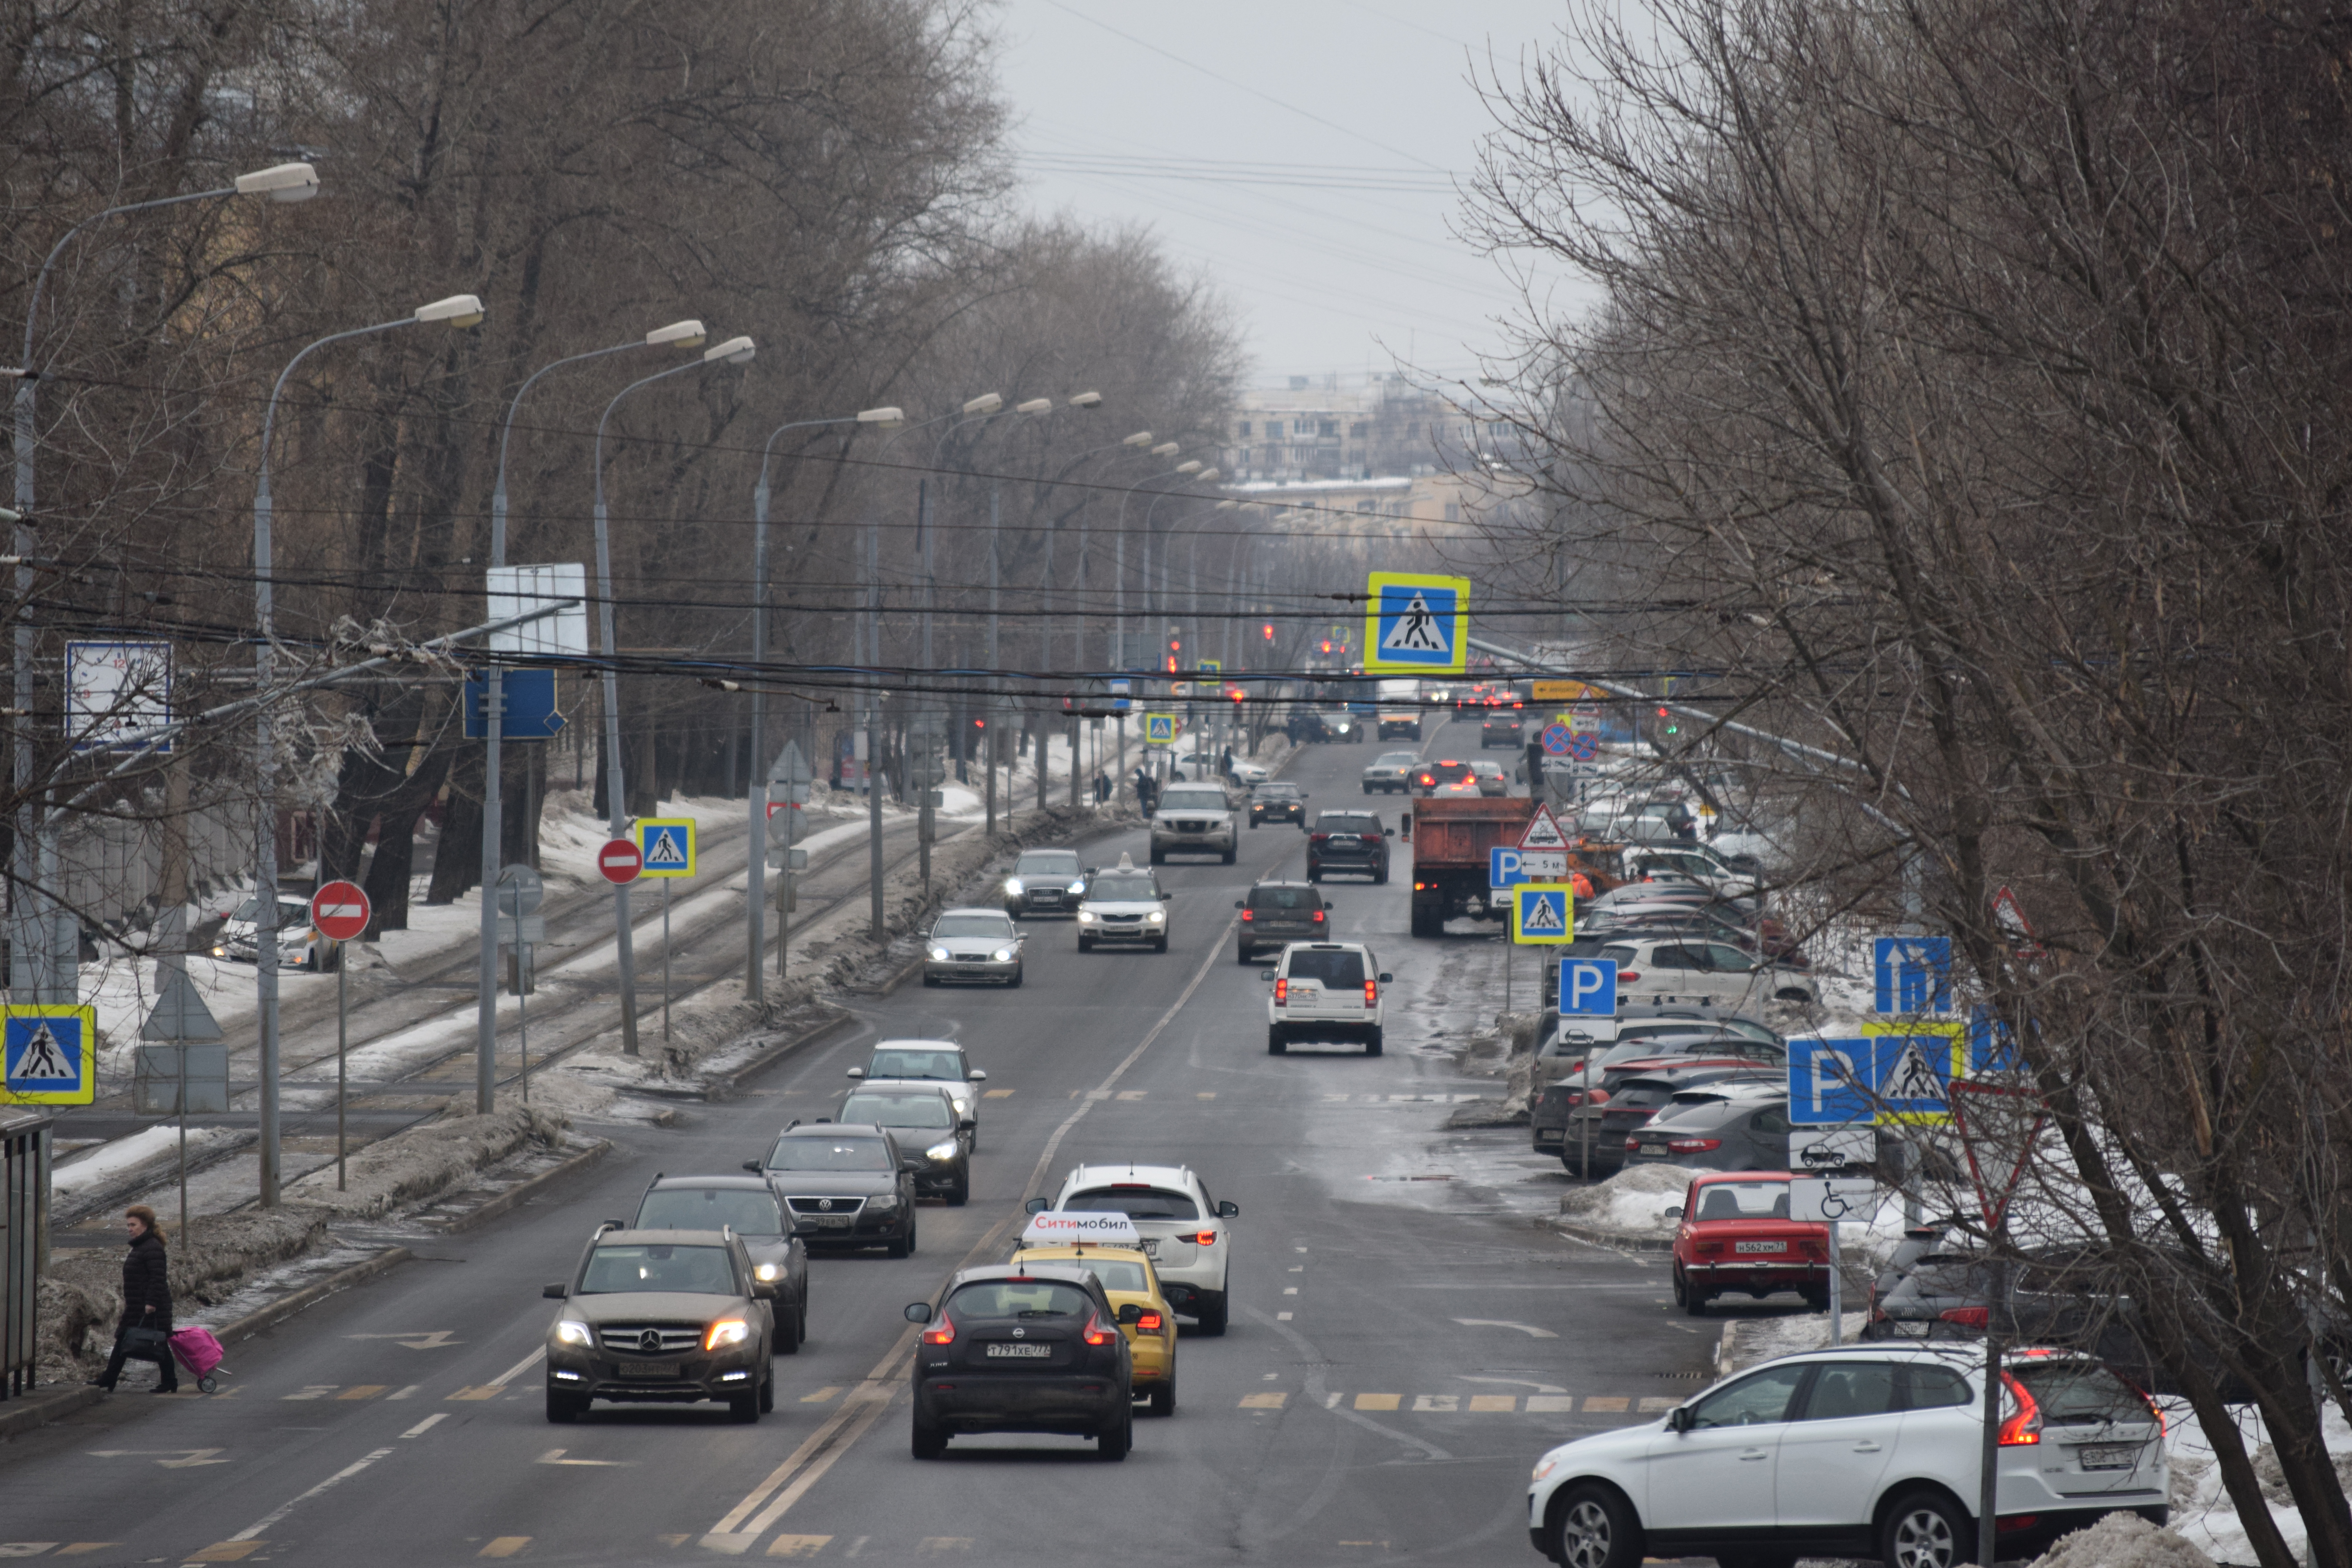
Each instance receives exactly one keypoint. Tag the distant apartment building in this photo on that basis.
(1333, 427)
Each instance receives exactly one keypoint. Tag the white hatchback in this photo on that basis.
(1694, 970)
(1182, 1227)
(1869, 1451)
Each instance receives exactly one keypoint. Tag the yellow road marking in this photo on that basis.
(1492, 1401)
(985, 1094)
(1379, 1401)
(1206, 1094)
(810, 1545)
(363, 1391)
(1611, 1402)
(487, 1390)
(944, 1543)
(504, 1546)
(226, 1551)
(314, 1390)
(1263, 1401)
(820, 1396)
(1129, 1094)
(79, 1547)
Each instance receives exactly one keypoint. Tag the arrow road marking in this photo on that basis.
(1527, 1329)
(188, 1457)
(555, 1456)
(439, 1339)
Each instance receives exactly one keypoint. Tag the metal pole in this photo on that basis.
(925, 823)
(988, 737)
(666, 959)
(873, 733)
(755, 890)
(342, 1059)
(183, 1139)
(485, 1007)
(1837, 1290)
(1989, 1443)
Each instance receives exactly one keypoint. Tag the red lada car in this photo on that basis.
(1736, 1235)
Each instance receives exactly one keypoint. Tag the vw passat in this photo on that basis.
(1871, 1451)
(972, 945)
(666, 1317)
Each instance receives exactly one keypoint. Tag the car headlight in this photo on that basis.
(220, 953)
(1544, 1466)
(1156, 916)
(947, 1151)
(1078, 886)
(886, 1200)
(939, 955)
(726, 1331)
(1002, 955)
(568, 1332)
(1013, 885)
(1085, 916)
(768, 1273)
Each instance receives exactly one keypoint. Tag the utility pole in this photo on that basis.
(921, 776)
(873, 731)
(988, 735)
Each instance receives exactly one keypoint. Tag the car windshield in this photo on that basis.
(744, 1210)
(946, 1064)
(1342, 822)
(1020, 1298)
(1332, 969)
(1264, 898)
(828, 1154)
(1048, 863)
(1743, 1200)
(982, 926)
(1114, 1273)
(897, 1111)
(697, 1270)
(1135, 1203)
(1397, 758)
(1192, 799)
(1276, 791)
(1113, 888)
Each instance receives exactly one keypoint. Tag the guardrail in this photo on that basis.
(24, 1193)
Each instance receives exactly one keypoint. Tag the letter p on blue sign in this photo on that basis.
(1588, 986)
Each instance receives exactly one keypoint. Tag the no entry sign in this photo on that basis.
(620, 861)
(340, 911)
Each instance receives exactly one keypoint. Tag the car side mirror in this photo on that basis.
(752, 1166)
(911, 1161)
(1674, 1211)
(1131, 1315)
(554, 1292)
(763, 1289)
(1265, 975)
(977, 1074)
(1388, 833)
(1037, 1205)
(1239, 903)
(1387, 978)
(857, 1072)
(967, 1124)
(1679, 1418)
(918, 1312)
(1229, 1209)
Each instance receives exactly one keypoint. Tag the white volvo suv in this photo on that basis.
(1867, 1451)
(1182, 1227)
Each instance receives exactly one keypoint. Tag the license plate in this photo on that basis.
(1020, 1352)
(1760, 1247)
(836, 1221)
(1658, 1152)
(2109, 1456)
(646, 1369)
(971, 969)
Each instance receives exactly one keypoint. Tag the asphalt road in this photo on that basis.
(1404, 1339)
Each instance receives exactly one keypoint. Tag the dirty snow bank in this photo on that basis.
(2123, 1540)
(1632, 1203)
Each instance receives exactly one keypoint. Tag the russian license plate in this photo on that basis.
(2108, 1456)
(1760, 1247)
(1022, 1353)
(834, 1221)
(647, 1369)
(1658, 1152)
(1148, 1246)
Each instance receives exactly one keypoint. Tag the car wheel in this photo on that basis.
(1253, 825)
(1381, 878)
(1242, 957)
(743, 1409)
(961, 1193)
(1159, 946)
(768, 1394)
(1163, 1398)
(901, 1246)
(1276, 1044)
(1212, 1315)
(1372, 1042)
(1790, 994)
(930, 1441)
(1014, 984)
(1114, 1440)
(930, 980)
(564, 1409)
(1596, 1530)
(788, 1334)
(1694, 1300)
(1927, 1530)
(1158, 857)
(1229, 856)
(1819, 1301)
(1086, 944)
(1368, 789)
(1314, 873)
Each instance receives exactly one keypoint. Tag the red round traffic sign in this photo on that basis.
(340, 911)
(620, 861)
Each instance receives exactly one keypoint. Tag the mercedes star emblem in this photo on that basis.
(650, 1341)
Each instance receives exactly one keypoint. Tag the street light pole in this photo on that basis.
(734, 351)
(458, 310)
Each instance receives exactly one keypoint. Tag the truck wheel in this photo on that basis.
(1158, 856)
(1426, 921)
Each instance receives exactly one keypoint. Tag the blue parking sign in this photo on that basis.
(1832, 1082)
(1588, 987)
(1504, 870)
(1914, 974)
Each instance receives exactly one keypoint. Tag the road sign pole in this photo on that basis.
(343, 1078)
(183, 1139)
(665, 961)
(522, 998)
(1837, 1290)
(486, 1005)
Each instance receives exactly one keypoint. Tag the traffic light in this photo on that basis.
(1175, 654)
(1236, 693)
(1667, 726)
(1268, 630)
(1326, 645)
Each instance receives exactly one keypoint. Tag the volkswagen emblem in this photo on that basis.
(825, 1205)
(1020, 1333)
(650, 1341)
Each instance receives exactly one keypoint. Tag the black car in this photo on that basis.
(1350, 841)
(1277, 913)
(1593, 1142)
(1277, 801)
(845, 1184)
(750, 1208)
(1022, 1348)
(924, 1118)
(1045, 882)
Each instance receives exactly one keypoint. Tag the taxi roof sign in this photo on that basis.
(1062, 1227)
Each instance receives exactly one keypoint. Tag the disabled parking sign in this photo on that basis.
(49, 1054)
(1414, 622)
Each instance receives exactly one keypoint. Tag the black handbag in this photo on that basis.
(152, 1341)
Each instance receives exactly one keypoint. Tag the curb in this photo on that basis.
(725, 1087)
(310, 1295)
(1613, 1240)
(31, 1411)
(523, 1192)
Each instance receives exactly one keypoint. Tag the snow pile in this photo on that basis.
(2123, 1540)
(1632, 1203)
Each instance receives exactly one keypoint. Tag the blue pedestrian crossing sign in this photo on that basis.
(1588, 987)
(668, 845)
(49, 1054)
(1913, 1065)
(1416, 622)
(1540, 912)
(1159, 729)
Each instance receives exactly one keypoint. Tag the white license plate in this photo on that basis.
(1760, 1247)
(643, 1369)
(1148, 1246)
(1019, 1353)
(1658, 1152)
(2108, 1456)
(836, 1221)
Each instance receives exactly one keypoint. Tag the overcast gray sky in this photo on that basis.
(1304, 153)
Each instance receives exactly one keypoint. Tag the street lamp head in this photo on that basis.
(1141, 438)
(734, 351)
(457, 310)
(10, 519)
(888, 418)
(280, 182)
(1166, 449)
(986, 403)
(1086, 400)
(1034, 405)
(687, 334)
(1192, 468)
(1206, 475)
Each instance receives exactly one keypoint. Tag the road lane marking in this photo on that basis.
(1437, 1403)
(555, 1456)
(24, 1548)
(820, 1396)
(408, 1392)
(1550, 1404)
(232, 1550)
(79, 1547)
(181, 1460)
(498, 1384)
(363, 1391)
(944, 1543)
(1613, 1404)
(1659, 1402)
(1379, 1401)
(426, 1425)
(1290, 1290)
(984, 1094)
(1206, 1094)
(1282, 1317)
(434, 1339)
(504, 1546)
(1129, 1094)
(1527, 1329)
(1493, 1403)
(314, 1390)
(1264, 1401)
(802, 1545)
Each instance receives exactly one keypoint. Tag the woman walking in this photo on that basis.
(146, 1304)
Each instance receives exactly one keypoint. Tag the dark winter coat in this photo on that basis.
(146, 1283)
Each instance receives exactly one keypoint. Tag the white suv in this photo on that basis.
(1872, 1451)
(1692, 969)
(1326, 991)
(1183, 1229)
(1192, 818)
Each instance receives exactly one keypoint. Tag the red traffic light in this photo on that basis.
(1268, 630)
(1662, 712)
(980, 723)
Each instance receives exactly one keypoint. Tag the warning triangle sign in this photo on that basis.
(2013, 924)
(665, 850)
(43, 1058)
(1543, 831)
(1541, 914)
(180, 1012)
(1912, 1078)
(1416, 630)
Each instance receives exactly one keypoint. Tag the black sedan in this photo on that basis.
(845, 1184)
(1275, 801)
(1022, 1348)
(922, 1119)
(750, 1208)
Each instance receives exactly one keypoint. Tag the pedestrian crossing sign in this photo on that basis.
(1159, 729)
(668, 845)
(1913, 1066)
(1416, 622)
(49, 1054)
(1543, 913)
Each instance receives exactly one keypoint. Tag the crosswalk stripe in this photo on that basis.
(1487, 1402)
(1601, 1402)
(1550, 1404)
(1499, 1403)
(1379, 1401)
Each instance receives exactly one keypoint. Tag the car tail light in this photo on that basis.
(1246, 914)
(1625, 975)
(1319, 914)
(1372, 994)
(1598, 1096)
(1968, 1317)
(1691, 1146)
(1710, 1250)
(1095, 1334)
(1201, 1238)
(1633, 1146)
(2024, 1428)
(942, 1332)
(1149, 1323)
(2016, 1522)
(1281, 992)
(1371, 838)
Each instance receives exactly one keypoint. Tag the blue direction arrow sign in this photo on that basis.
(1914, 974)
(49, 1054)
(530, 696)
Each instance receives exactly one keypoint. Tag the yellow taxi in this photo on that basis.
(1127, 1278)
